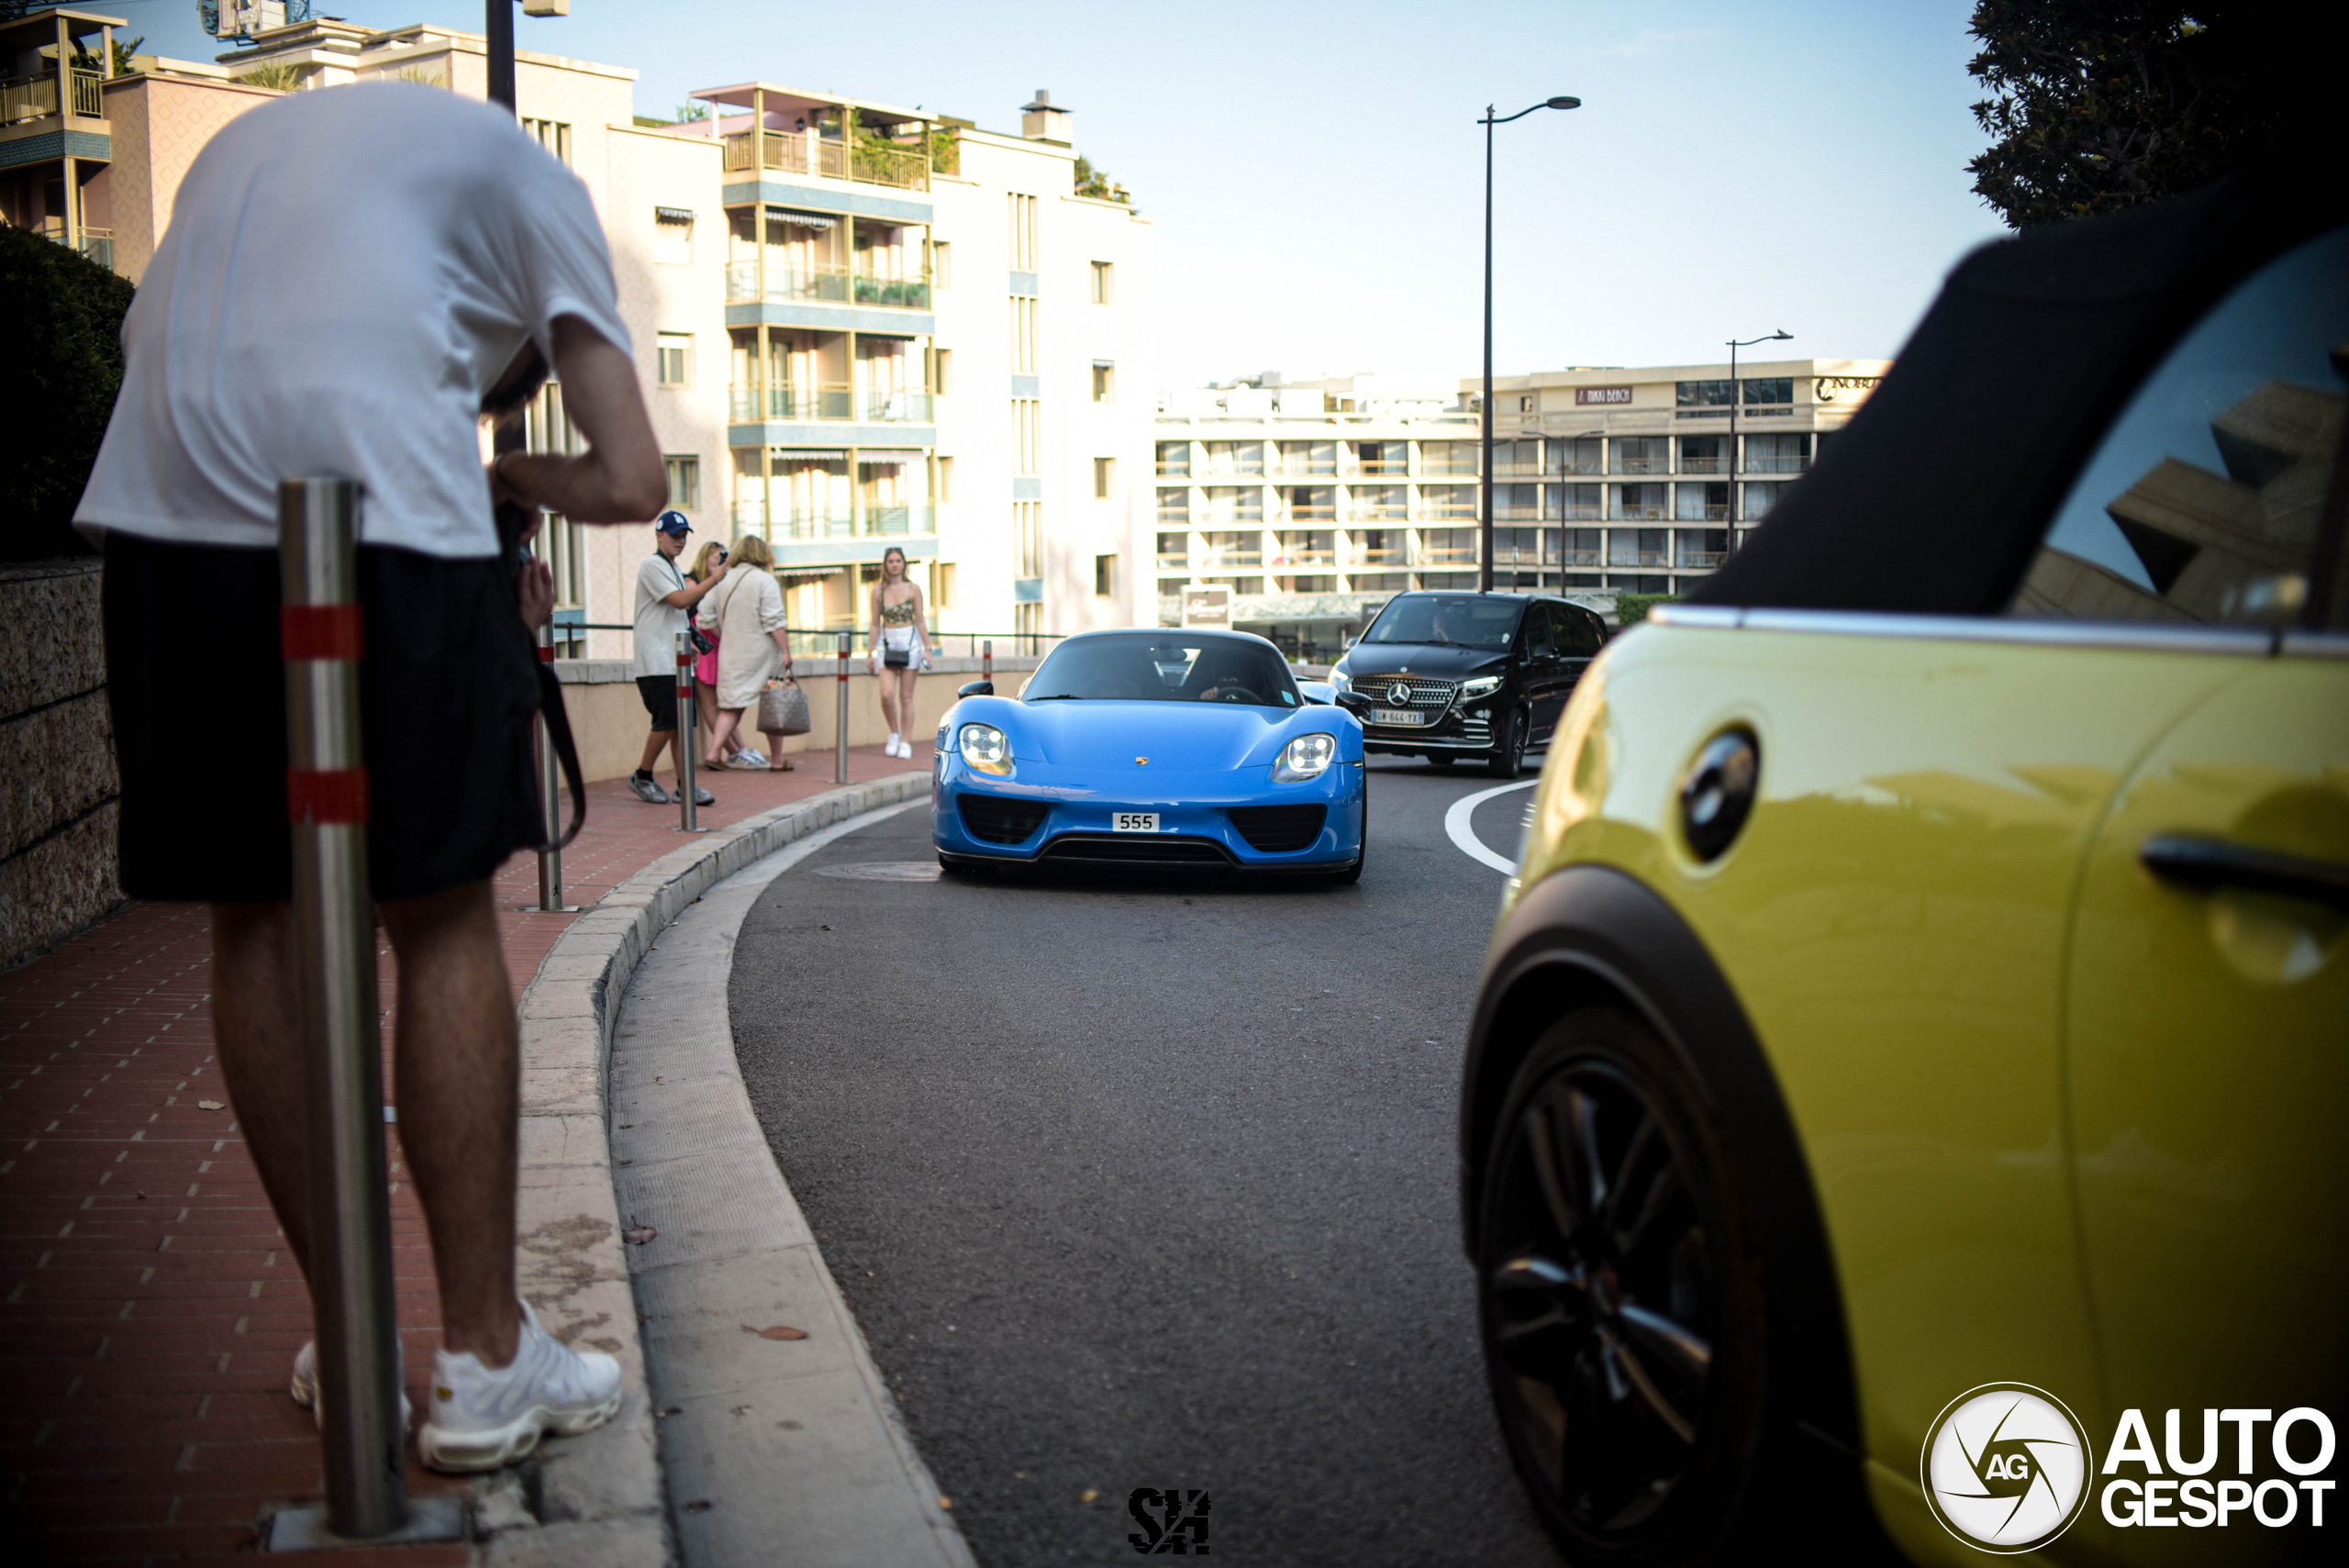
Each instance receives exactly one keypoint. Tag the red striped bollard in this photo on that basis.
(320, 634)
(840, 737)
(687, 813)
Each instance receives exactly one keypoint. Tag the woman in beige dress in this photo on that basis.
(754, 641)
(900, 647)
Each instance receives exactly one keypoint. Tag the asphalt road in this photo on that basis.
(1151, 1184)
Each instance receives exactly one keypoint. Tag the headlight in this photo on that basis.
(1480, 686)
(984, 749)
(1340, 682)
(1306, 757)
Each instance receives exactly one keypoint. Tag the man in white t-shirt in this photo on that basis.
(664, 599)
(352, 278)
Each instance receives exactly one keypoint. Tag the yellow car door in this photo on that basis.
(2209, 1045)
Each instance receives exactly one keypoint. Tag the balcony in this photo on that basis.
(1301, 512)
(1378, 512)
(1703, 464)
(906, 293)
(26, 98)
(1450, 467)
(1302, 468)
(1516, 514)
(870, 163)
(1178, 560)
(1233, 556)
(1707, 559)
(1574, 556)
(829, 400)
(97, 244)
(1384, 555)
(1174, 468)
(1383, 468)
(1512, 470)
(1635, 462)
(1796, 464)
(912, 408)
(1635, 512)
(1437, 506)
(1715, 512)
(826, 285)
(1448, 555)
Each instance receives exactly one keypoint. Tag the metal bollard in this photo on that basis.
(334, 918)
(549, 807)
(686, 747)
(840, 735)
(986, 660)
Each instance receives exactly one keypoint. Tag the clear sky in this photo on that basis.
(1314, 170)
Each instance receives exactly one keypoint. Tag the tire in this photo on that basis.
(1353, 874)
(1508, 758)
(1620, 1298)
(1441, 759)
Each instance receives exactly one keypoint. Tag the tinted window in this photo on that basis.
(1463, 621)
(1581, 631)
(2205, 500)
(1141, 666)
(1540, 631)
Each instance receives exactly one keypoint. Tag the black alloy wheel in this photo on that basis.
(1508, 757)
(1619, 1298)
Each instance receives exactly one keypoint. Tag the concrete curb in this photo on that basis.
(598, 1499)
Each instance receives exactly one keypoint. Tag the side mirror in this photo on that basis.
(977, 689)
(1321, 692)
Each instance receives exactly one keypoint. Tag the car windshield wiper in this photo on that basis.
(1057, 697)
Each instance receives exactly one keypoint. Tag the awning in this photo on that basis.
(804, 219)
(810, 455)
(673, 215)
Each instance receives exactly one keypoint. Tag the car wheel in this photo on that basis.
(1353, 874)
(1620, 1298)
(1508, 758)
(1441, 759)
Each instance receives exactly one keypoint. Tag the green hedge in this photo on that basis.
(64, 332)
(1632, 608)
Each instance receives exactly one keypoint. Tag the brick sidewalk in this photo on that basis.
(151, 1312)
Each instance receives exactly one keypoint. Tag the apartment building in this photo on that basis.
(859, 327)
(928, 329)
(1311, 501)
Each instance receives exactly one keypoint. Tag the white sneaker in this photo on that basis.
(749, 757)
(486, 1417)
(895, 740)
(305, 1386)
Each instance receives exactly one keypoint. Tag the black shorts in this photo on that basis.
(660, 694)
(447, 696)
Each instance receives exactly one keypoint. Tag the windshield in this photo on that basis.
(1463, 620)
(1143, 666)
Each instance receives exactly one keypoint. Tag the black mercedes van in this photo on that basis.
(1445, 675)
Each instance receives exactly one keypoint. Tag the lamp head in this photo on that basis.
(1780, 333)
(1564, 104)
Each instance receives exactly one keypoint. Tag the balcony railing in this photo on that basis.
(1506, 469)
(1577, 512)
(1447, 511)
(1627, 464)
(1571, 557)
(909, 294)
(1301, 513)
(1384, 467)
(1177, 469)
(1238, 555)
(828, 285)
(1705, 558)
(911, 407)
(1516, 555)
(1448, 555)
(1711, 513)
(1570, 464)
(1776, 464)
(97, 244)
(1622, 556)
(1302, 468)
(1516, 514)
(799, 153)
(1627, 512)
(1309, 559)
(1704, 464)
(830, 400)
(1178, 562)
(1449, 468)
(1392, 555)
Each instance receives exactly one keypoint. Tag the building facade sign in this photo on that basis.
(1586, 395)
(1208, 607)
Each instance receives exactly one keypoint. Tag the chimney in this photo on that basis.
(1041, 121)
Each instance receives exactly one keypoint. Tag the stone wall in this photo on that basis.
(58, 804)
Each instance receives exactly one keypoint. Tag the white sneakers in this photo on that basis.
(898, 746)
(483, 1417)
(486, 1417)
(305, 1387)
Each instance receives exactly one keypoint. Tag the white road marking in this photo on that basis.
(1455, 823)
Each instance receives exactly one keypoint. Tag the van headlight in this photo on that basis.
(1340, 682)
(983, 747)
(1479, 687)
(1306, 757)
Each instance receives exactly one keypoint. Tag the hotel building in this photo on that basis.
(1313, 501)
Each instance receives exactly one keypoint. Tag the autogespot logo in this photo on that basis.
(2007, 1467)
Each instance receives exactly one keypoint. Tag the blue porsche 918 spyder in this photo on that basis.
(1175, 747)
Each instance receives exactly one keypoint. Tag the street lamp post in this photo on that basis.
(1736, 393)
(1485, 529)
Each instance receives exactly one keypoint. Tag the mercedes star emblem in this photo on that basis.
(1399, 693)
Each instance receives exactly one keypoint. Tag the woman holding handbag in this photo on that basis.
(900, 648)
(711, 558)
(755, 641)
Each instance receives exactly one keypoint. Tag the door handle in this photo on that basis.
(2188, 861)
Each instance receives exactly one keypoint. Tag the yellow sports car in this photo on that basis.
(1908, 1101)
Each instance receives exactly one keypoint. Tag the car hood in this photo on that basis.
(1178, 736)
(1436, 659)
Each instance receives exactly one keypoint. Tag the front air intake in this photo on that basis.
(1279, 830)
(992, 820)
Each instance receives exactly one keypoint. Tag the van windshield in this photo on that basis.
(1143, 666)
(1461, 620)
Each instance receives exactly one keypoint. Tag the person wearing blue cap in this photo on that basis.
(664, 596)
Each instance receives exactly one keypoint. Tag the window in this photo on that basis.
(1637, 547)
(2204, 501)
(946, 479)
(1700, 503)
(673, 237)
(1578, 547)
(1642, 454)
(1175, 551)
(1028, 538)
(1023, 232)
(1638, 503)
(1760, 498)
(1105, 381)
(1701, 548)
(1023, 335)
(1525, 405)
(1105, 576)
(1174, 460)
(1103, 284)
(941, 378)
(942, 264)
(1701, 394)
(1575, 502)
(1105, 477)
(1776, 454)
(1173, 506)
(1581, 454)
(942, 586)
(552, 135)
(685, 482)
(1770, 390)
(1027, 442)
(676, 351)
